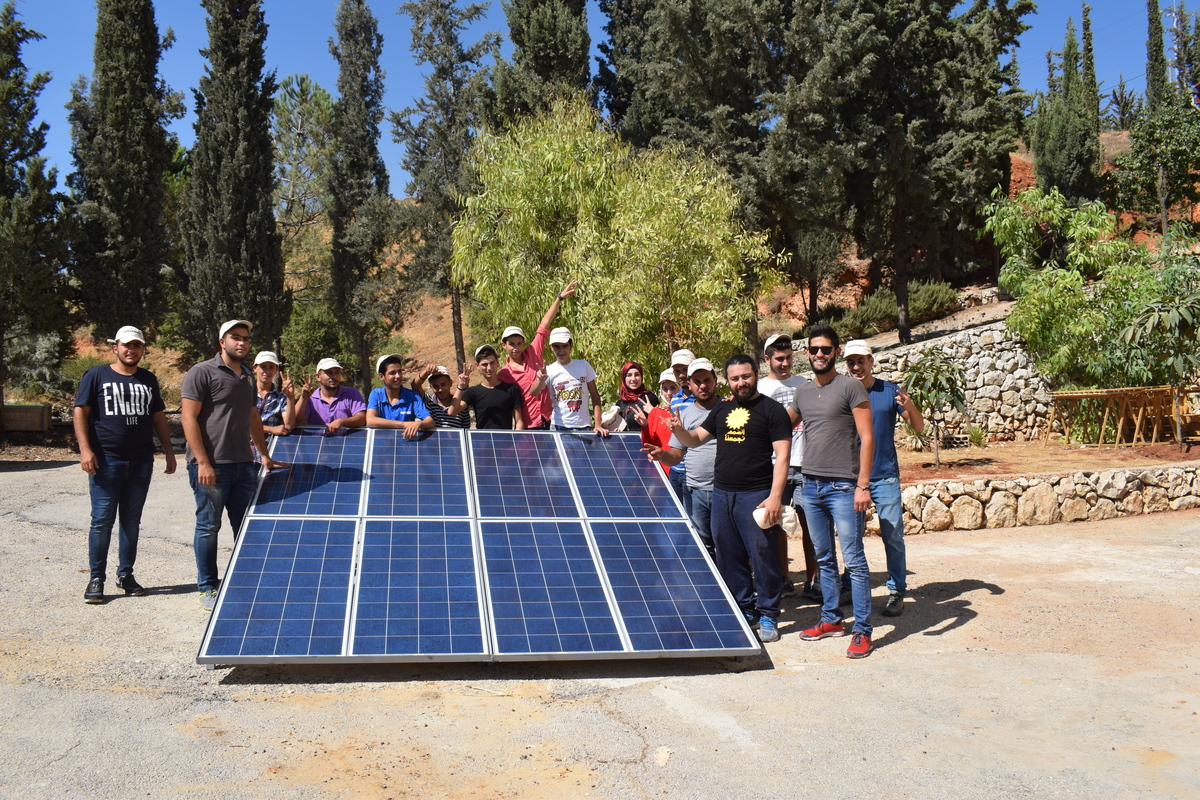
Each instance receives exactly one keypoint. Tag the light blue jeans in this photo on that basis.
(885, 493)
(829, 508)
(232, 494)
(700, 512)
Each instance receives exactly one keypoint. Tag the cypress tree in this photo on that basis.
(1066, 144)
(232, 247)
(33, 292)
(359, 203)
(621, 72)
(1091, 88)
(437, 133)
(550, 56)
(1156, 59)
(122, 153)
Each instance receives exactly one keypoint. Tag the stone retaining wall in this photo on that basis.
(1047, 499)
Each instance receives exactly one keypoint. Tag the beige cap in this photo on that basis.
(328, 363)
(667, 375)
(128, 334)
(233, 323)
(560, 336)
(379, 361)
(775, 338)
(264, 356)
(699, 364)
(682, 357)
(440, 370)
(857, 347)
(485, 348)
(512, 330)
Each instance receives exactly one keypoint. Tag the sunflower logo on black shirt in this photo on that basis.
(735, 425)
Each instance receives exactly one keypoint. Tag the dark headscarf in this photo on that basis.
(627, 394)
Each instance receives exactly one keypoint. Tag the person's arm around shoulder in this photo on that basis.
(908, 410)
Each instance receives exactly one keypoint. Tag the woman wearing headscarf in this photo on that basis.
(635, 400)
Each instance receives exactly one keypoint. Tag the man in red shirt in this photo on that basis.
(526, 361)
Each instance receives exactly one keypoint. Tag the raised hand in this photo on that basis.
(674, 422)
(571, 289)
(428, 370)
(306, 385)
(288, 387)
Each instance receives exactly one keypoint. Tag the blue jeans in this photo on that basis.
(678, 480)
(232, 494)
(829, 506)
(747, 555)
(699, 508)
(885, 493)
(118, 491)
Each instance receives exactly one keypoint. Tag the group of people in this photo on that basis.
(822, 447)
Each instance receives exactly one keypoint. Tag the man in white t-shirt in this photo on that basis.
(571, 382)
(780, 385)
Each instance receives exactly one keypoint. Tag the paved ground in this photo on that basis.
(1056, 662)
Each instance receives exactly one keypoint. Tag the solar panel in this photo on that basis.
(324, 476)
(615, 478)
(538, 545)
(425, 477)
(520, 475)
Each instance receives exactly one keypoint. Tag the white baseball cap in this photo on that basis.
(482, 348)
(128, 334)
(233, 323)
(266, 355)
(440, 370)
(858, 347)
(560, 336)
(327, 363)
(512, 330)
(667, 375)
(682, 357)
(775, 338)
(699, 364)
(379, 361)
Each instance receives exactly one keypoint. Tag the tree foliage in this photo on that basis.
(1066, 135)
(651, 236)
(1159, 172)
(33, 220)
(233, 265)
(122, 257)
(550, 57)
(1156, 59)
(936, 383)
(1124, 107)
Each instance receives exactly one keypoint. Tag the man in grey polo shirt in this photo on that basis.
(219, 418)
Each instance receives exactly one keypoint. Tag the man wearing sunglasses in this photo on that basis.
(839, 446)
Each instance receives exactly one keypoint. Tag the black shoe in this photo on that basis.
(788, 589)
(130, 585)
(812, 591)
(894, 606)
(95, 591)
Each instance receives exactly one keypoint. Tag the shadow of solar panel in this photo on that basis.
(545, 592)
(615, 479)
(420, 478)
(286, 592)
(418, 591)
(324, 476)
(520, 475)
(668, 595)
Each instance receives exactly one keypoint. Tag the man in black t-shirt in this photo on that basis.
(749, 431)
(118, 410)
(497, 404)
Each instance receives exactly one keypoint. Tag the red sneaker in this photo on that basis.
(823, 630)
(860, 645)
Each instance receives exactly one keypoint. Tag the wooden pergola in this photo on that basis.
(1141, 415)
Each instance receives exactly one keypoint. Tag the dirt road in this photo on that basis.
(1056, 662)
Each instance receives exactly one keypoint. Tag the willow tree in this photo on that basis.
(651, 236)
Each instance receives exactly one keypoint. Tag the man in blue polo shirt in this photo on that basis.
(392, 405)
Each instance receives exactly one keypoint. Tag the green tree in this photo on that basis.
(1156, 59)
(122, 155)
(33, 291)
(936, 383)
(550, 57)
(234, 265)
(362, 296)
(1159, 172)
(437, 133)
(1186, 36)
(620, 78)
(1124, 107)
(652, 237)
(1091, 88)
(302, 134)
(1066, 138)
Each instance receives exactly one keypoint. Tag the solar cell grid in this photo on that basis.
(286, 591)
(324, 476)
(424, 477)
(546, 595)
(615, 479)
(520, 475)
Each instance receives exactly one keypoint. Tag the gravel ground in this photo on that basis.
(1023, 667)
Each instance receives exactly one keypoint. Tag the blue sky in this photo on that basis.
(300, 29)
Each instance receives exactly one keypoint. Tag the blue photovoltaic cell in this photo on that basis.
(286, 591)
(615, 478)
(667, 593)
(520, 475)
(546, 595)
(324, 476)
(420, 478)
(417, 591)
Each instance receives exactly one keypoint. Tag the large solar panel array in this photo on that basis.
(468, 546)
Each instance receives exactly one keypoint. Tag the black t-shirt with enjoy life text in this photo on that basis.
(745, 437)
(120, 412)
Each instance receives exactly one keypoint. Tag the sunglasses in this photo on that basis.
(824, 350)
